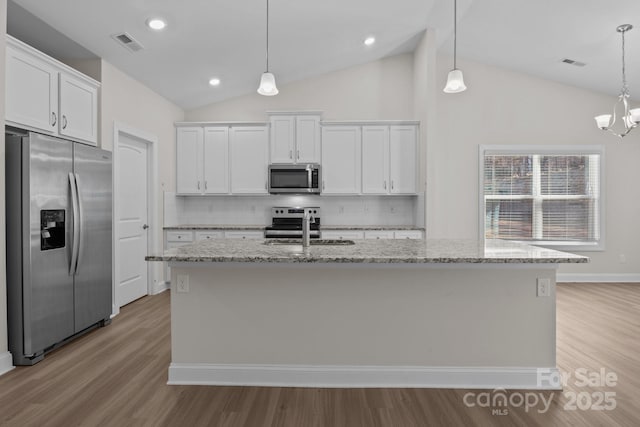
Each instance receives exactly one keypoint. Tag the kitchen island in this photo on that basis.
(379, 313)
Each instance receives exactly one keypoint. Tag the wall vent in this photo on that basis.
(127, 41)
(573, 62)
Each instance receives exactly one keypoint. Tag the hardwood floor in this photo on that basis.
(116, 376)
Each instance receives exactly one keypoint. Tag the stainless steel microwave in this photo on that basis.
(300, 178)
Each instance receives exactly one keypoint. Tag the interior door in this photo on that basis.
(93, 279)
(132, 218)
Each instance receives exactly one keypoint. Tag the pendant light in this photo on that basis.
(267, 81)
(455, 80)
(630, 117)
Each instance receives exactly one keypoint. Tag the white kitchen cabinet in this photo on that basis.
(221, 160)
(45, 95)
(294, 138)
(389, 159)
(176, 239)
(248, 159)
(209, 235)
(375, 160)
(78, 108)
(216, 160)
(407, 234)
(244, 234)
(378, 234)
(189, 160)
(403, 159)
(342, 234)
(341, 160)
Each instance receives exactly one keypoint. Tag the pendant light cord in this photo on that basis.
(267, 36)
(625, 89)
(455, 32)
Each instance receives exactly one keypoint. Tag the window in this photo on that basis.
(543, 195)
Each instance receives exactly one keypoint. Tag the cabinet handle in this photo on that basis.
(323, 184)
(385, 184)
(392, 184)
(55, 119)
(64, 122)
(205, 185)
(198, 185)
(291, 154)
(297, 154)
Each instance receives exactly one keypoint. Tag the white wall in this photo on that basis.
(376, 90)
(127, 101)
(504, 107)
(3, 242)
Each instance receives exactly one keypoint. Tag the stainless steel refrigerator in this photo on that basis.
(58, 213)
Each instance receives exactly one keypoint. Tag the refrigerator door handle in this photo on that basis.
(80, 223)
(76, 224)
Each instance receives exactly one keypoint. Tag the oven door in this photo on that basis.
(293, 179)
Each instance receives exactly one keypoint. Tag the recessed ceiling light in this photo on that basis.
(214, 81)
(156, 23)
(369, 41)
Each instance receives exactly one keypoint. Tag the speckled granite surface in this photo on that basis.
(215, 227)
(367, 251)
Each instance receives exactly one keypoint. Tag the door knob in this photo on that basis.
(145, 226)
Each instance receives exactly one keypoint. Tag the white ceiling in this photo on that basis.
(226, 38)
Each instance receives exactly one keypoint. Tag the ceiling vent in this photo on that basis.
(572, 62)
(127, 41)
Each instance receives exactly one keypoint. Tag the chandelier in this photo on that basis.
(630, 118)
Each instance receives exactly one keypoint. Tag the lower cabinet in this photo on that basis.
(371, 234)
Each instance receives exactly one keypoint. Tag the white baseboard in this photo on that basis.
(160, 287)
(6, 362)
(364, 376)
(603, 278)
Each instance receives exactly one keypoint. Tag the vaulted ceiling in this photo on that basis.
(226, 38)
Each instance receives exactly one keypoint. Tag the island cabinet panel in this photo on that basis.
(249, 158)
(341, 160)
(295, 138)
(189, 163)
(44, 95)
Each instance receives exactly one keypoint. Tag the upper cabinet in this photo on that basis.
(295, 137)
(372, 158)
(341, 159)
(389, 159)
(45, 95)
(221, 159)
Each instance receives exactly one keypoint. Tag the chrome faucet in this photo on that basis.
(307, 219)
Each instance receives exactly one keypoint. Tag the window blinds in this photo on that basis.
(542, 197)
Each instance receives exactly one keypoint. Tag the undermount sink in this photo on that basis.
(317, 242)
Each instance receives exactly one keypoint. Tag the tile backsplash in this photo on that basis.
(256, 210)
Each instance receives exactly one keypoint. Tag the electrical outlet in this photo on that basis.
(544, 287)
(183, 283)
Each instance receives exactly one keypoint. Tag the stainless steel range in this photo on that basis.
(287, 222)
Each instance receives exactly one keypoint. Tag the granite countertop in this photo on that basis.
(368, 251)
(214, 227)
